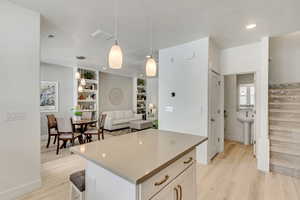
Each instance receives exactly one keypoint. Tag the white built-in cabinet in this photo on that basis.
(175, 182)
(182, 188)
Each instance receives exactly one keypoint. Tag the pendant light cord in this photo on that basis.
(116, 20)
(151, 35)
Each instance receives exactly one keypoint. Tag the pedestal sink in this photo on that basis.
(246, 117)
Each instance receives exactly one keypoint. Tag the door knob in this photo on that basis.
(212, 120)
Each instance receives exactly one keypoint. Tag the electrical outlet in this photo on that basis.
(15, 116)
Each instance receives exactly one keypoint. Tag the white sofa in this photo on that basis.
(119, 119)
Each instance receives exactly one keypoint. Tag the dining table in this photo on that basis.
(83, 125)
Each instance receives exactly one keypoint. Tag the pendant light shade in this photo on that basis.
(115, 57)
(151, 67)
(77, 75)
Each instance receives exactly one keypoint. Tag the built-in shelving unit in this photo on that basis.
(141, 96)
(86, 95)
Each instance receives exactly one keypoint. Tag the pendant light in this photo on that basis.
(115, 57)
(151, 63)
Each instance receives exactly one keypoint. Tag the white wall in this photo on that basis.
(285, 59)
(242, 59)
(111, 81)
(253, 58)
(214, 56)
(183, 69)
(19, 102)
(64, 77)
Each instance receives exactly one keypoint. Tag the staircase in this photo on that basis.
(284, 117)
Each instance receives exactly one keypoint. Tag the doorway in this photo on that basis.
(240, 108)
(214, 117)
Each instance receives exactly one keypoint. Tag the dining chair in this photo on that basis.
(52, 128)
(65, 133)
(96, 130)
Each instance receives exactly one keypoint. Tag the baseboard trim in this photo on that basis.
(263, 154)
(44, 137)
(15, 192)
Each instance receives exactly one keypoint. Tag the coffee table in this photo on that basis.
(140, 125)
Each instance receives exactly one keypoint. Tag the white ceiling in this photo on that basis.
(174, 22)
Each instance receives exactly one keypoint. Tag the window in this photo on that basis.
(246, 96)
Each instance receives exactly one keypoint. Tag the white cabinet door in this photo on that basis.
(182, 188)
(186, 184)
(166, 194)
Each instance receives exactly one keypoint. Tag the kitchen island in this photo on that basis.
(150, 164)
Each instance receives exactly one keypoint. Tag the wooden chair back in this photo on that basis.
(101, 120)
(52, 123)
(64, 125)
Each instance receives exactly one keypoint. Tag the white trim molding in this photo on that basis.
(263, 154)
(15, 192)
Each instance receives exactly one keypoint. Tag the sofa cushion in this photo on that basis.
(128, 114)
(120, 121)
(119, 114)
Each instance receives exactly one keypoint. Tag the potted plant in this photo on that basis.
(77, 114)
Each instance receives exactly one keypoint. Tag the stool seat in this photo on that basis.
(78, 180)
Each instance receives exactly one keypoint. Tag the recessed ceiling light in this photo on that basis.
(80, 57)
(51, 36)
(250, 26)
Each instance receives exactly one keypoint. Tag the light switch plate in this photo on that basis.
(169, 108)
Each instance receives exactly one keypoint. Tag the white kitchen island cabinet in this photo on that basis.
(146, 165)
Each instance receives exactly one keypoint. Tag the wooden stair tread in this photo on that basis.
(285, 150)
(284, 119)
(284, 103)
(285, 139)
(285, 129)
(292, 111)
(284, 163)
(285, 89)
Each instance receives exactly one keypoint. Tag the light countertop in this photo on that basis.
(137, 156)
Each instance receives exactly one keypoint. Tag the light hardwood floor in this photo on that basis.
(230, 176)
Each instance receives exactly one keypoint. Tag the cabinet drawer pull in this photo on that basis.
(180, 192)
(188, 161)
(162, 182)
(176, 192)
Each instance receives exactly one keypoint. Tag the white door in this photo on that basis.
(214, 116)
